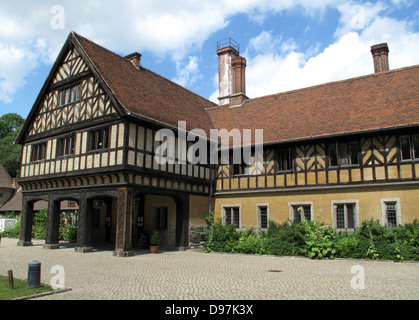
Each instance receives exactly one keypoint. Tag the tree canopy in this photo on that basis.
(10, 153)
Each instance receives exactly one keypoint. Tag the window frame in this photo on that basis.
(63, 151)
(224, 215)
(69, 95)
(41, 151)
(343, 148)
(415, 148)
(93, 139)
(384, 217)
(292, 206)
(287, 156)
(345, 203)
(413, 151)
(239, 169)
(259, 215)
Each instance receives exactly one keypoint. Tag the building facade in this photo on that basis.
(342, 152)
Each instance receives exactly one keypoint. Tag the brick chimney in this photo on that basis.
(232, 74)
(135, 58)
(380, 56)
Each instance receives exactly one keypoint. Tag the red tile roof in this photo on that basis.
(373, 102)
(5, 179)
(379, 101)
(145, 93)
(15, 203)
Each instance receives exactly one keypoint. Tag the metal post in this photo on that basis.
(34, 274)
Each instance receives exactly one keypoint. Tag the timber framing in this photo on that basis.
(96, 122)
(378, 161)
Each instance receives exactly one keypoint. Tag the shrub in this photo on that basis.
(312, 239)
(249, 242)
(319, 241)
(397, 243)
(39, 229)
(221, 238)
(276, 246)
(351, 246)
(285, 239)
(12, 232)
(68, 228)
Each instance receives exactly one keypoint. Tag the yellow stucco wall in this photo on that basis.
(167, 237)
(198, 209)
(368, 199)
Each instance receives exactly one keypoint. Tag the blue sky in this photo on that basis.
(287, 44)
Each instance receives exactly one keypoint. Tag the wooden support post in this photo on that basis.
(123, 241)
(11, 282)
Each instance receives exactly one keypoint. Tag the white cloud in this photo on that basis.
(177, 29)
(355, 16)
(273, 73)
(349, 56)
(187, 74)
(15, 63)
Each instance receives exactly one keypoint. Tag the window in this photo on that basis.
(300, 212)
(391, 212)
(262, 212)
(232, 216)
(99, 139)
(240, 169)
(343, 154)
(415, 144)
(345, 215)
(333, 155)
(38, 152)
(409, 147)
(285, 159)
(65, 146)
(160, 218)
(70, 95)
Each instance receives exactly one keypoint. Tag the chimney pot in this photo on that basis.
(135, 58)
(380, 56)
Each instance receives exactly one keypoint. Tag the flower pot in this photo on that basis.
(154, 249)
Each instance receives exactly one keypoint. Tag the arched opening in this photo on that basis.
(33, 220)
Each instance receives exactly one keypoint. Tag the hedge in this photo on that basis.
(315, 240)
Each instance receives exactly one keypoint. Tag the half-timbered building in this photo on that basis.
(342, 152)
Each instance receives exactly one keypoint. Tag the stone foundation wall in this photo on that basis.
(196, 237)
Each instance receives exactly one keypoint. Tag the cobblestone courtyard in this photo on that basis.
(196, 275)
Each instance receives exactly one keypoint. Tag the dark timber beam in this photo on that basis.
(182, 221)
(84, 230)
(123, 241)
(26, 219)
(53, 224)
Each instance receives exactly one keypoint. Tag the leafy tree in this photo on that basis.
(10, 153)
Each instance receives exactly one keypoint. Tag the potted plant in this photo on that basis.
(154, 242)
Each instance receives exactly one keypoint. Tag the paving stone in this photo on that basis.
(194, 275)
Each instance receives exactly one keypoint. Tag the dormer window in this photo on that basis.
(69, 95)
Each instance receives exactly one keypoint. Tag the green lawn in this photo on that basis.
(20, 290)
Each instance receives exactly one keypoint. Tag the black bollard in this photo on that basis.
(34, 274)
